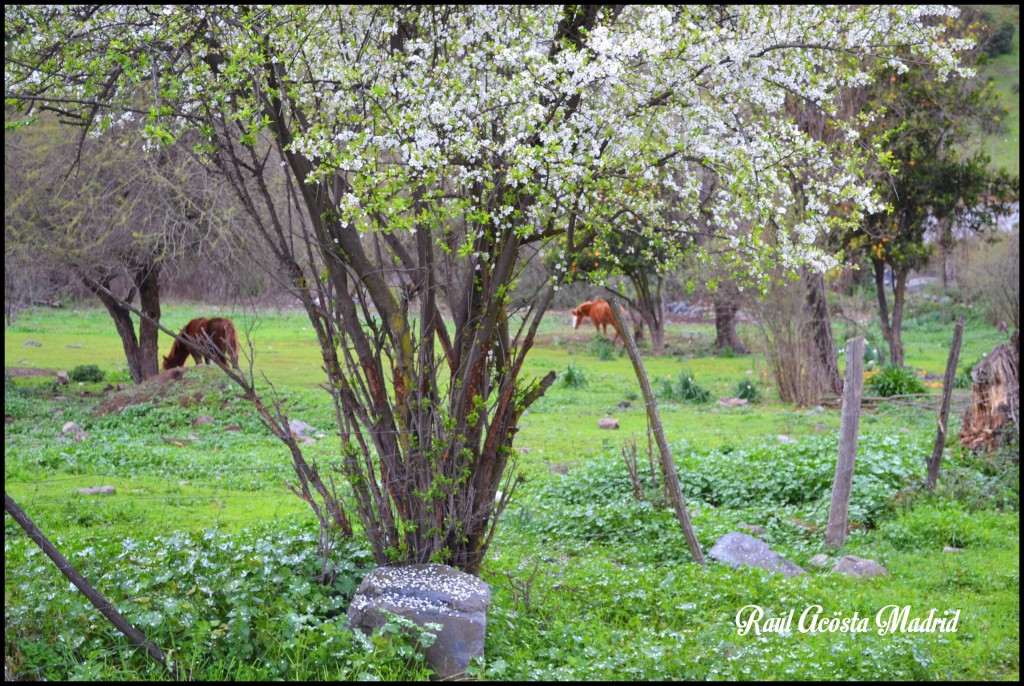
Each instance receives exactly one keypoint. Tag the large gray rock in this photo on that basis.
(429, 593)
(95, 490)
(859, 567)
(820, 560)
(739, 549)
(302, 431)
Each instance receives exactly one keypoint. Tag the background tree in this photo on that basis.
(994, 277)
(937, 183)
(821, 368)
(727, 304)
(636, 276)
(457, 136)
(111, 216)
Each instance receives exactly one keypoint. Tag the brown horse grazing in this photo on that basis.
(215, 339)
(599, 312)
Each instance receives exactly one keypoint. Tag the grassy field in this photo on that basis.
(205, 549)
(1004, 70)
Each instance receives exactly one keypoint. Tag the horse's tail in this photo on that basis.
(236, 350)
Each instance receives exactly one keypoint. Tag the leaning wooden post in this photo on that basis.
(98, 600)
(843, 482)
(947, 392)
(668, 467)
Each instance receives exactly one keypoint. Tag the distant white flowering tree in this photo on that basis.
(427, 146)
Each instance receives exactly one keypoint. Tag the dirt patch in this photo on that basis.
(28, 371)
(173, 382)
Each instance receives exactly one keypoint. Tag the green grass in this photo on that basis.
(1004, 147)
(204, 548)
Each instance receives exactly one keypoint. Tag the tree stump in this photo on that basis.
(995, 399)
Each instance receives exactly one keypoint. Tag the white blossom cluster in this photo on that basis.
(500, 122)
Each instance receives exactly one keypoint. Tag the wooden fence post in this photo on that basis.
(668, 467)
(947, 392)
(843, 482)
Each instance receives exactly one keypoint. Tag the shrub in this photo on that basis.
(747, 390)
(86, 372)
(602, 348)
(686, 389)
(896, 381)
(963, 378)
(1002, 42)
(872, 355)
(574, 378)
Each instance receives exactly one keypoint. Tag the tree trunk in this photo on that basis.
(147, 282)
(141, 355)
(656, 325)
(820, 325)
(122, 322)
(725, 325)
(638, 326)
(651, 306)
(898, 293)
(946, 245)
(892, 325)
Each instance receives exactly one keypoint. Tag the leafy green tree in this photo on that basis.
(936, 183)
(427, 149)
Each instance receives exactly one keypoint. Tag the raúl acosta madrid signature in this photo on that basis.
(891, 619)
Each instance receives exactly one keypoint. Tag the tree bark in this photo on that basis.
(822, 343)
(725, 322)
(892, 324)
(842, 484)
(651, 306)
(140, 351)
(947, 394)
(123, 323)
(147, 281)
(995, 399)
(946, 245)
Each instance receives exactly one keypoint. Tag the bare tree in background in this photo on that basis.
(994, 277)
(111, 216)
(787, 341)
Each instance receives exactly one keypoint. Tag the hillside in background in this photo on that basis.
(1004, 145)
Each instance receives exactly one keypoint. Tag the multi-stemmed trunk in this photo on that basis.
(141, 351)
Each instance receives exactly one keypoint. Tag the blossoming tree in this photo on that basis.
(422, 150)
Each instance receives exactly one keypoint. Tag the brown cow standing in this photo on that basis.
(599, 312)
(219, 331)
